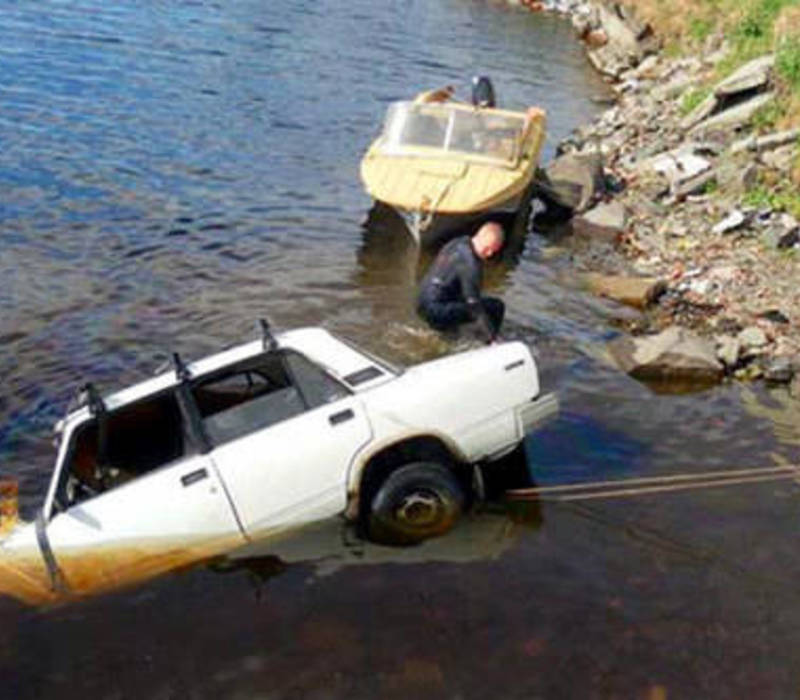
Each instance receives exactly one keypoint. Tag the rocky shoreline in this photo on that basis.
(671, 190)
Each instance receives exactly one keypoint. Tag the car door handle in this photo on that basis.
(194, 477)
(340, 417)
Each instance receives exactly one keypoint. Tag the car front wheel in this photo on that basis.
(415, 502)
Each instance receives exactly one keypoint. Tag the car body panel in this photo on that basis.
(467, 397)
(296, 471)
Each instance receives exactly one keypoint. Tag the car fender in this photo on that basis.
(363, 458)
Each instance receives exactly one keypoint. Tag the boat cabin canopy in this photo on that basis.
(453, 130)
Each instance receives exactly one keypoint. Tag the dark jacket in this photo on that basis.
(450, 293)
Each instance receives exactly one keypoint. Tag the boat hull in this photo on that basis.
(446, 167)
(432, 231)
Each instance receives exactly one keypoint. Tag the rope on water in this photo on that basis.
(621, 488)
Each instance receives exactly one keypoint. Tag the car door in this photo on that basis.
(284, 454)
(161, 506)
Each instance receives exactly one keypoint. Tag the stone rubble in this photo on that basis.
(675, 353)
(667, 189)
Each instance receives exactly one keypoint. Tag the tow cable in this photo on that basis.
(622, 488)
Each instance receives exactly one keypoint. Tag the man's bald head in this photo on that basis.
(488, 240)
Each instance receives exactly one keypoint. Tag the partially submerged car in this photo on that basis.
(260, 439)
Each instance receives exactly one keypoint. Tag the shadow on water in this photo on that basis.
(487, 530)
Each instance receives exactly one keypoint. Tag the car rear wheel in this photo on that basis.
(415, 502)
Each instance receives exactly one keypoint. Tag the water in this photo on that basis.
(172, 172)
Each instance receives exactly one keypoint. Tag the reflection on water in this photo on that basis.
(329, 547)
(170, 177)
(778, 408)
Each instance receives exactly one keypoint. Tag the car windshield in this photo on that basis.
(389, 367)
(452, 129)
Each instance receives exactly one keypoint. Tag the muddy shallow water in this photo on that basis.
(172, 173)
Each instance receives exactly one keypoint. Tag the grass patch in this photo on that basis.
(758, 19)
(787, 62)
(692, 98)
(759, 197)
(751, 28)
(700, 28)
(762, 197)
(769, 117)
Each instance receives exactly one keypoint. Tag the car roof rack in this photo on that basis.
(90, 397)
(181, 370)
(268, 339)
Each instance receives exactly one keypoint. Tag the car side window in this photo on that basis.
(247, 397)
(131, 441)
(316, 385)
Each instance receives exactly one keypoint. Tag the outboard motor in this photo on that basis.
(483, 92)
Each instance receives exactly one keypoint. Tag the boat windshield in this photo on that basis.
(452, 129)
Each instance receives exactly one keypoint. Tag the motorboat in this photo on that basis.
(445, 164)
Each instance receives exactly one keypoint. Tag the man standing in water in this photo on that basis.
(450, 292)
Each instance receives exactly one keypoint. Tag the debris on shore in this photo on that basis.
(673, 184)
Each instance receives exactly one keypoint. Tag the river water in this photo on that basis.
(172, 172)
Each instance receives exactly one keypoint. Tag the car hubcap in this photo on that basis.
(419, 509)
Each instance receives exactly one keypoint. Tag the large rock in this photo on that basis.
(752, 339)
(633, 291)
(755, 75)
(781, 159)
(695, 185)
(728, 350)
(779, 370)
(704, 110)
(573, 181)
(628, 40)
(735, 117)
(675, 353)
(735, 99)
(686, 170)
(607, 222)
(769, 142)
(731, 222)
(679, 165)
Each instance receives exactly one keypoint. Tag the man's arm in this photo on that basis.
(469, 275)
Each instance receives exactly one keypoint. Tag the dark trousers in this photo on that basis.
(448, 315)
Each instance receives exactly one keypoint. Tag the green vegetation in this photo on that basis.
(700, 28)
(768, 117)
(759, 17)
(750, 28)
(787, 61)
(784, 198)
(692, 98)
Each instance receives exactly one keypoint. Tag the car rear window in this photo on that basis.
(260, 392)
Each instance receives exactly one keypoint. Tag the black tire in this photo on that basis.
(415, 502)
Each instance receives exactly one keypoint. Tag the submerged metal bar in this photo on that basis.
(57, 581)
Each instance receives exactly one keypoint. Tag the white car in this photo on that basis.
(260, 439)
